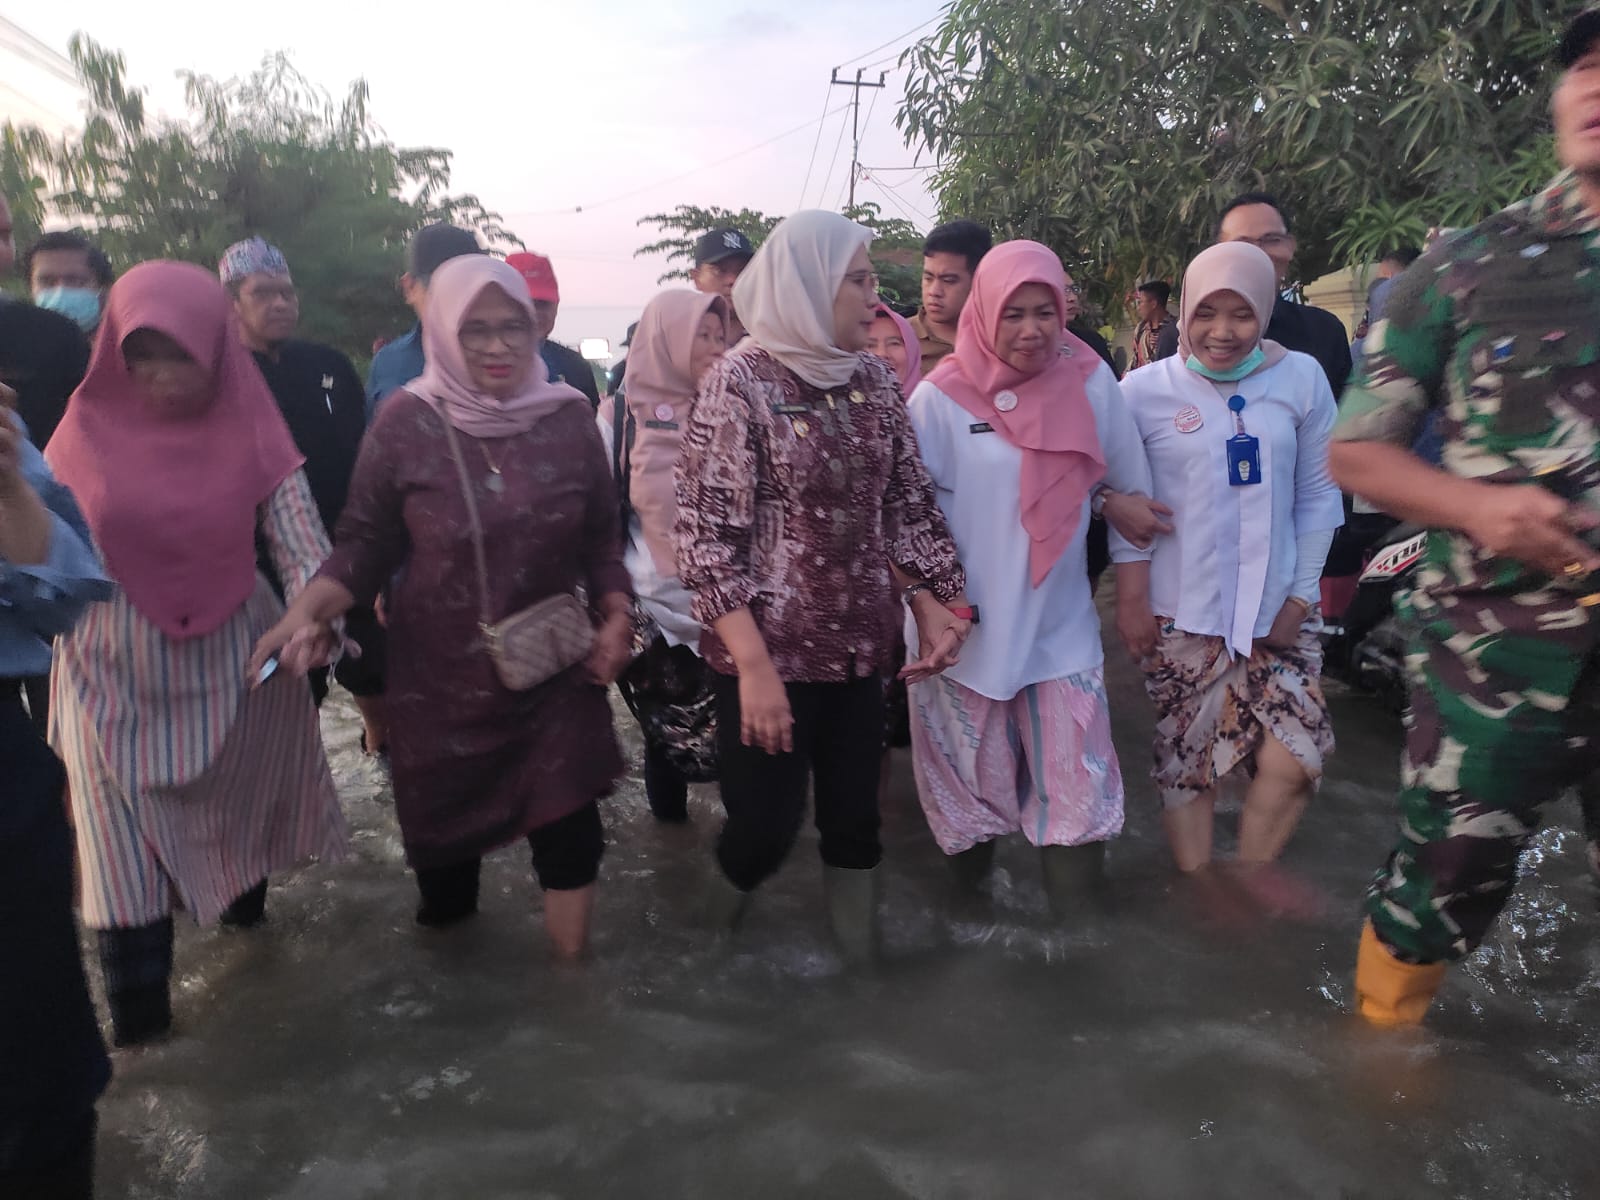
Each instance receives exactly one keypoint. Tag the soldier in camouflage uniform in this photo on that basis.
(1497, 330)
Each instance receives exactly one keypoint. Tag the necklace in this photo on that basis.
(496, 482)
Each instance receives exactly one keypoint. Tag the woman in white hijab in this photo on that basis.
(799, 486)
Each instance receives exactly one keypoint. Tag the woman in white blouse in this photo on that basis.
(1236, 429)
(1017, 428)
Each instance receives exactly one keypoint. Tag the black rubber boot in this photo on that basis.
(449, 894)
(724, 906)
(853, 913)
(972, 866)
(249, 910)
(137, 964)
(665, 787)
(1074, 877)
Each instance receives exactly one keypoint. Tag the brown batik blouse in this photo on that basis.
(792, 501)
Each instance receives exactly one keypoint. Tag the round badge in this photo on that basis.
(802, 427)
(1005, 401)
(663, 412)
(1188, 419)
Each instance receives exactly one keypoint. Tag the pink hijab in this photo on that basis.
(1050, 420)
(908, 335)
(172, 501)
(1231, 267)
(659, 390)
(446, 382)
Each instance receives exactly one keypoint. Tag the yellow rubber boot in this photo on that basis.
(1389, 992)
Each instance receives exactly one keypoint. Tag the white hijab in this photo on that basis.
(785, 296)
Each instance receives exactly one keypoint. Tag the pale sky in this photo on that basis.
(549, 106)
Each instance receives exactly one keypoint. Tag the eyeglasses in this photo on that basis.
(478, 337)
(863, 279)
(1075, 289)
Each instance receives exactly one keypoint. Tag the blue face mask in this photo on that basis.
(80, 304)
(1234, 373)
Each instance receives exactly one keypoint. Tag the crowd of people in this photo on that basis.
(798, 509)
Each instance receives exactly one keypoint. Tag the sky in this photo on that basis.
(571, 120)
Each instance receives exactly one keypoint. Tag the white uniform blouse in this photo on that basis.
(1230, 563)
(1025, 634)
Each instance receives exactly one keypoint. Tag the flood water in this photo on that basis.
(339, 1052)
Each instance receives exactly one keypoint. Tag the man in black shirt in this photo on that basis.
(324, 405)
(1259, 219)
(43, 355)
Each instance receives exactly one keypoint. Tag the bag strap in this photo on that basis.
(623, 428)
(485, 621)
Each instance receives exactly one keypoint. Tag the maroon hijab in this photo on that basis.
(172, 500)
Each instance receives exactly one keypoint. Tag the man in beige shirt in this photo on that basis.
(949, 257)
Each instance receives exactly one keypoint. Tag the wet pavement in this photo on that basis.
(1148, 1050)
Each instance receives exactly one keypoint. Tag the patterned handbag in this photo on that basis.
(540, 641)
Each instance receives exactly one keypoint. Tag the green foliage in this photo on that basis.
(271, 154)
(896, 245)
(1114, 130)
(684, 225)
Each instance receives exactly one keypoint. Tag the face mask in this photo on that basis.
(80, 304)
(1233, 374)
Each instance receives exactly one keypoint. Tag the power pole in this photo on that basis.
(855, 120)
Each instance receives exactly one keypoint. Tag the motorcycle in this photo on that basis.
(1361, 637)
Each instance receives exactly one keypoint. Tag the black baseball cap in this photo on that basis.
(434, 245)
(1580, 35)
(627, 339)
(720, 244)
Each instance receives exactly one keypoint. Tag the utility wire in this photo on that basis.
(897, 37)
(822, 192)
(777, 137)
(815, 142)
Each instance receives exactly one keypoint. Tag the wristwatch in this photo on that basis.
(1097, 502)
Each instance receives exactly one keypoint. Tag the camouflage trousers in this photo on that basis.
(1504, 717)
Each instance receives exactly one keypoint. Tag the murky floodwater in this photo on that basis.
(1145, 1051)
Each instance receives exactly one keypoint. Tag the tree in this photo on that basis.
(1114, 132)
(685, 225)
(896, 245)
(271, 154)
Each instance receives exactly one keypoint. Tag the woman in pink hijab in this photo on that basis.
(1237, 428)
(1017, 428)
(892, 339)
(476, 765)
(188, 787)
(668, 687)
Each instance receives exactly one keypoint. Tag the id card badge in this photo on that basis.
(1244, 460)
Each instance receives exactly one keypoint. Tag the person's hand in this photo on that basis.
(8, 399)
(299, 646)
(1533, 526)
(940, 634)
(11, 480)
(1137, 627)
(1136, 517)
(613, 647)
(1285, 631)
(765, 718)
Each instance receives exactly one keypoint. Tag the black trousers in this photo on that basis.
(566, 857)
(838, 743)
(53, 1064)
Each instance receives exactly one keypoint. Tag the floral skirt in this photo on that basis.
(1213, 711)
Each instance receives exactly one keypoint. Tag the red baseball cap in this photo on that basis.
(538, 274)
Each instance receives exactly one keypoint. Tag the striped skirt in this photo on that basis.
(187, 788)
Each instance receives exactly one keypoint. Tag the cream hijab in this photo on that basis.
(785, 296)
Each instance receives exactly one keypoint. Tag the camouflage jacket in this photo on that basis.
(1497, 330)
